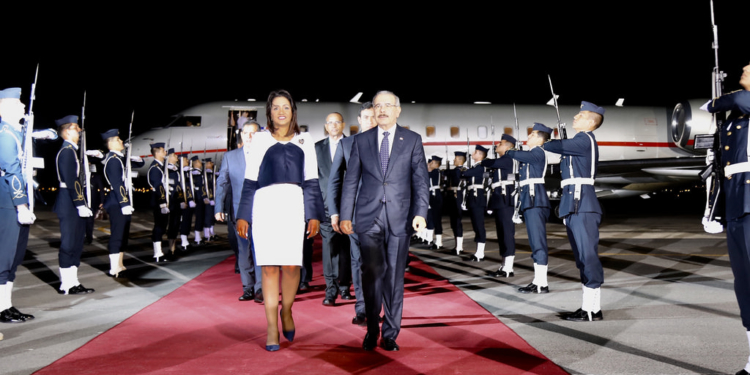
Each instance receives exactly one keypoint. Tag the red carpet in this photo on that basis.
(201, 328)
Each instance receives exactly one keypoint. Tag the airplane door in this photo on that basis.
(233, 116)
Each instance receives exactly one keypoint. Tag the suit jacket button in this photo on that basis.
(385, 184)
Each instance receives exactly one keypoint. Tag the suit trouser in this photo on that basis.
(119, 228)
(11, 232)
(356, 266)
(506, 230)
(435, 215)
(345, 262)
(160, 225)
(738, 244)
(72, 235)
(477, 223)
(583, 234)
(536, 228)
(331, 252)
(307, 252)
(234, 242)
(383, 262)
(187, 220)
(250, 271)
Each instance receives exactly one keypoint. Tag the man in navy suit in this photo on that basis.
(230, 180)
(366, 119)
(335, 245)
(388, 168)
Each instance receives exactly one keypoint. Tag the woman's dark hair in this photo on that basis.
(293, 126)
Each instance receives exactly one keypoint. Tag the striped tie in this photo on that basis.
(384, 157)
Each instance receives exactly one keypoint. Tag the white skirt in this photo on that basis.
(279, 225)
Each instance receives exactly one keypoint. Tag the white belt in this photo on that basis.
(454, 188)
(736, 168)
(63, 185)
(475, 187)
(502, 183)
(434, 188)
(577, 181)
(530, 181)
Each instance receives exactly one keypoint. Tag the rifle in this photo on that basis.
(713, 174)
(190, 173)
(165, 171)
(28, 147)
(560, 124)
(205, 173)
(516, 175)
(129, 167)
(86, 175)
(182, 172)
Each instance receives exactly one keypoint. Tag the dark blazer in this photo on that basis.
(323, 153)
(404, 184)
(734, 141)
(231, 177)
(336, 178)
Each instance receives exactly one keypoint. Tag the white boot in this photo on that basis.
(75, 276)
(115, 264)
(211, 230)
(9, 290)
(479, 255)
(459, 245)
(508, 263)
(540, 275)
(5, 297)
(430, 235)
(66, 279)
(197, 238)
(439, 240)
(596, 304)
(747, 366)
(157, 251)
(206, 234)
(184, 244)
(591, 304)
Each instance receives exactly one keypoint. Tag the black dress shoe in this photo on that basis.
(303, 287)
(247, 296)
(258, 296)
(25, 317)
(501, 273)
(329, 302)
(434, 247)
(475, 259)
(389, 345)
(359, 320)
(197, 244)
(583, 316)
(10, 316)
(345, 295)
(370, 342)
(88, 241)
(742, 372)
(80, 289)
(533, 288)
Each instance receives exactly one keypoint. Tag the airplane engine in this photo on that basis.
(688, 121)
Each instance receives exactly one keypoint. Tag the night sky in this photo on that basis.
(160, 62)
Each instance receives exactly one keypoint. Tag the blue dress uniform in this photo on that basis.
(734, 145)
(12, 195)
(187, 212)
(176, 202)
(534, 204)
(116, 201)
(208, 217)
(97, 197)
(155, 178)
(69, 206)
(501, 204)
(454, 199)
(435, 213)
(580, 209)
(199, 192)
(476, 202)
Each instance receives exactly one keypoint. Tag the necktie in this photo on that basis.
(384, 156)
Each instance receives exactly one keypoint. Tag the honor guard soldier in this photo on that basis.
(210, 185)
(201, 198)
(159, 193)
(118, 204)
(501, 204)
(70, 207)
(734, 138)
(534, 203)
(476, 200)
(455, 199)
(15, 216)
(176, 200)
(435, 214)
(97, 192)
(579, 207)
(187, 213)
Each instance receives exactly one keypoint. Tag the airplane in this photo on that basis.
(641, 149)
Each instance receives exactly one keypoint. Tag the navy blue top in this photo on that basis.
(579, 148)
(502, 168)
(532, 166)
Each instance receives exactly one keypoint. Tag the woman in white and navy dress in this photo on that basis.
(280, 195)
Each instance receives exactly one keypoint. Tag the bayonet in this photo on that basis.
(560, 124)
(28, 146)
(129, 167)
(86, 175)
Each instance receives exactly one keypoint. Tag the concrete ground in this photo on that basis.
(668, 299)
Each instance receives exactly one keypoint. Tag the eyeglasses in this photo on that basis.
(334, 123)
(384, 105)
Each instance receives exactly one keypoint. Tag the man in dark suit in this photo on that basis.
(335, 245)
(366, 119)
(389, 162)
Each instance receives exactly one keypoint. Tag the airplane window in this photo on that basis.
(529, 130)
(482, 132)
(353, 130)
(186, 121)
(455, 132)
(303, 128)
(430, 131)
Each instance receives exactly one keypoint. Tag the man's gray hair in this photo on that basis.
(386, 92)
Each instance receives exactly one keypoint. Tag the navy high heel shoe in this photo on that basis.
(272, 348)
(289, 335)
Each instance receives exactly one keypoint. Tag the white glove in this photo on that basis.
(711, 226)
(192, 204)
(206, 201)
(185, 169)
(164, 210)
(183, 205)
(212, 203)
(84, 211)
(44, 134)
(705, 108)
(136, 159)
(25, 217)
(127, 210)
(171, 167)
(95, 153)
(196, 172)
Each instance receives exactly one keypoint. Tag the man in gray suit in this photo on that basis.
(392, 202)
(231, 178)
(366, 119)
(335, 245)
